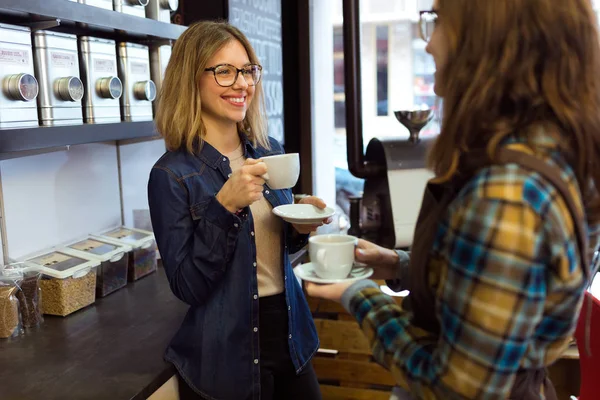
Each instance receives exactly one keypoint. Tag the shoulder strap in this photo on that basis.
(552, 174)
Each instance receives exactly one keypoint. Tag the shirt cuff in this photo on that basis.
(353, 290)
(400, 282)
(216, 213)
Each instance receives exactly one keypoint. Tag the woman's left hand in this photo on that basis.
(332, 292)
(317, 202)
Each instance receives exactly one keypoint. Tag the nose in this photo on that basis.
(240, 82)
(428, 48)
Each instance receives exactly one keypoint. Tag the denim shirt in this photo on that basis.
(209, 255)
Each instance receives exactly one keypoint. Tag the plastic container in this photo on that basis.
(68, 282)
(10, 315)
(29, 295)
(142, 257)
(111, 275)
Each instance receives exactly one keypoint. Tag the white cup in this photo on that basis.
(332, 255)
(283, 170)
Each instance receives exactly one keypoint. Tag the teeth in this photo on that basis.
(236, 99)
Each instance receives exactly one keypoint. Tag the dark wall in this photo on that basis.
(297, 87)
(190, 11)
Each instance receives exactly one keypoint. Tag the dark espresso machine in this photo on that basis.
(393, 168)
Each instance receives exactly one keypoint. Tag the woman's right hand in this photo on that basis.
(244, 186)
(383, 261)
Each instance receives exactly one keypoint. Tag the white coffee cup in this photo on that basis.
(332, 256)
(283, 170)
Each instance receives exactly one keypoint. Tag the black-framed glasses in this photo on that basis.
(226, 74)
(427, 22)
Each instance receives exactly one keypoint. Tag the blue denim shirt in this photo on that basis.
(209, 255)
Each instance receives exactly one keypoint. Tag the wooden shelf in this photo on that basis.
(25, 141)
(75, 17)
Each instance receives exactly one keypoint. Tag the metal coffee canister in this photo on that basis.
(131, 7)
(19, 85)
(159, 59)
(139, 91)
(57, 68)
(106, 4)
(161, 10)
(99, 73)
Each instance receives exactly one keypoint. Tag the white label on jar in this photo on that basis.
(139, 68)
(10, 56)
(104, 66)
(62, 59)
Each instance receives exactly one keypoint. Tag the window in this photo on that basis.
(381, 45)
(339, 97)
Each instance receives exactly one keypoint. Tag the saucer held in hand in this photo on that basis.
(303, 213)
(306, 272)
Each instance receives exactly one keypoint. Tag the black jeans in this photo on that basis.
(278, 379)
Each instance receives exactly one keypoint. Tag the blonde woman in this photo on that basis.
(500, 258)
(249, 333)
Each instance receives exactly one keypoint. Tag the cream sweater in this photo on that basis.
(267, 233)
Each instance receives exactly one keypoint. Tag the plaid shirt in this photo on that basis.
(508, 287)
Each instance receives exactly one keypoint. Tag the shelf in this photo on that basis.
(90, 20)
(25, 141)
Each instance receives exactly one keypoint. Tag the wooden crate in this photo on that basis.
(344, 365)
(346, 370)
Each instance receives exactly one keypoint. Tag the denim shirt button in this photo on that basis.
(236, 225)
(266, 191)
(289, 308)
(229, 175)
(252, 233)
(224, 158)
(254, 264)
(256, 361)
(255, 297)
(290, 336)
(255, 329)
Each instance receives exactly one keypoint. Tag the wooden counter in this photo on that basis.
(112, 349)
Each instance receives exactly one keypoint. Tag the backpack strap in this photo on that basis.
(553, 175)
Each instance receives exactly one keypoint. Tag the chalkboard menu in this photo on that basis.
(260, 20)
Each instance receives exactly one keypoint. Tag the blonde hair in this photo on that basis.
(179, 111)
(514, 66)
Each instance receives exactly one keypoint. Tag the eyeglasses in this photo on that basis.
(226, 74)
(427, 22)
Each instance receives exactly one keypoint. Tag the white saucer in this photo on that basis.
(306, 272)
(300, 214)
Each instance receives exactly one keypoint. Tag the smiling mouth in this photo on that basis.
(236, 101)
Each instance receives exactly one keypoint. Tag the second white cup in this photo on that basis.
(332, 255)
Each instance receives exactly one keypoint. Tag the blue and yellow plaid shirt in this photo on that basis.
(508, 287)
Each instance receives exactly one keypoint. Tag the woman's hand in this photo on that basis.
(383, 261)
(244, 186)
(317, 202)
(332, 292)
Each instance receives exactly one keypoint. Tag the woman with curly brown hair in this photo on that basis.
(501, 253)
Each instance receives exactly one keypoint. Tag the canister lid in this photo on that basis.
(56, 34)
(91, 39)
(15, 28)
(97, 249)
(61, 265)
(128, 45)
(136, 238)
